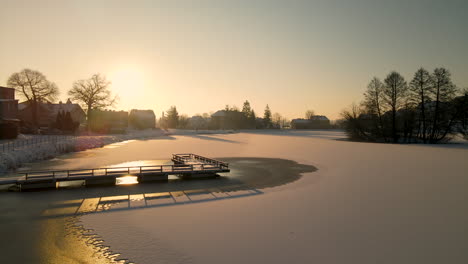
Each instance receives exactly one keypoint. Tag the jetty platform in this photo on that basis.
(185, 166)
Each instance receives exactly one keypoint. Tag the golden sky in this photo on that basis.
(202, 55)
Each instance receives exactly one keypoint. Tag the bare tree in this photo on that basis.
(93, 93)
(309, 114)
(394, 93)
(462, 107)
(277, 120)
(34, 87)
(444, 90)
(420, 90)
(373, 102)
(354, 128)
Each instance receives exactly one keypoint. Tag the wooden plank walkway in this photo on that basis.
(186, 165)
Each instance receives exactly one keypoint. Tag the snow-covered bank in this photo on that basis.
(49, 149)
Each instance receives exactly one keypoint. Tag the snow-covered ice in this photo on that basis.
(366, 203)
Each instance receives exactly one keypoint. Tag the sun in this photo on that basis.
(126, 77)
(127, 82)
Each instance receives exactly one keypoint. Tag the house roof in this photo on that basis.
(3, 87)
(54, 108)
(220, 113)
(319, 117)
(300, 120)
(313, 118)
(69, 107)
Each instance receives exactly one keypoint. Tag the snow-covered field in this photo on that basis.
(366, 203)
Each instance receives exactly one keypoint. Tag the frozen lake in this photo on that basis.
(338, 202)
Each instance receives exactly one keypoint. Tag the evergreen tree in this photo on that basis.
(246, 109)
(59, 121)
(267, 117)
(67, 122)
(252, 119)
(172, 117)
(249, 116)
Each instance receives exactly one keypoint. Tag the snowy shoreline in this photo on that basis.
(14, 159)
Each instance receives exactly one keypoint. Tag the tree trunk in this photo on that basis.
(394, 134)
(34, 114)
(423, 114)
(382, 130)
(87, 117)
(436, 114)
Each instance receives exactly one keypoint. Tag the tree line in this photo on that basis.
(232, 118)
(94, 93)
(91, 93)
(428, 109)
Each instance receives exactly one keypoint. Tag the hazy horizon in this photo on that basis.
(200, 56)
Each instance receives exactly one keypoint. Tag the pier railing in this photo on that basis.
(190, 157)
(120, 171)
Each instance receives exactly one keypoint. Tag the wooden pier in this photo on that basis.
(185, 166)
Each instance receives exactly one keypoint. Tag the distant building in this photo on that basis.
(141, 119)
(8, 113)
(218, 119)
(315, 122)
(224, 119)
(198, 122)
(106, 121)
(47, 113)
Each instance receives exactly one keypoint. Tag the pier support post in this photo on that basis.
(39, 184)
(101, 180)
(152, 177)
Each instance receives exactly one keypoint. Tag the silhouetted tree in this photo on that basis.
(162, 123)
(444, 90)
(408, 111)
(249, 120)
(93, 93)
(65, 123)
(461, 103)
(253, 119)
(172, 117)
(246, 109)
(34, 87)
(420, 91)
(355, 127)
(309, 114)
(373, 103)
(277, 120)
(394, 93)
(59, 120)
(267, 117)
